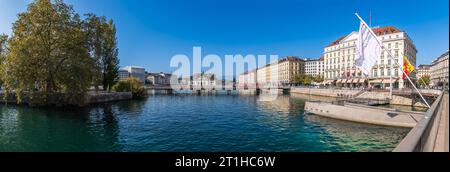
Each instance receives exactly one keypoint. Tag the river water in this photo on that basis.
(188, 124)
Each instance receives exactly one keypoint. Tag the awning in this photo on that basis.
(349, 81)
(361, 81)
(339, 81)
(376, 81)
(355, 81)
(387, 81)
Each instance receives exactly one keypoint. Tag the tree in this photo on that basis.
(424, 81)
(48, 54)
(3, 45)
(3, 50)
(131, 85)
(318, 79)
(110, 58)
(102, 45)
(94, 30)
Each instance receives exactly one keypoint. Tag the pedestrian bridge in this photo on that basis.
(431, 133)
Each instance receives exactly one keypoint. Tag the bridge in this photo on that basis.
(167, 89)
(432, 132)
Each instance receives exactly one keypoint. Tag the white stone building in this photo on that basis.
(423, 70)
(340, 69)
(439, 70)
(315, 67)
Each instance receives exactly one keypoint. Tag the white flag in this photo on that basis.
(368, 49)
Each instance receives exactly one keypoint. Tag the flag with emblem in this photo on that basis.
(407, 67)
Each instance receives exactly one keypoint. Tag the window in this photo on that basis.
(396, 72)
(389, 46)
(389, 62)
(389, 72)
(382, 72)
(396, 53)
(396, 44)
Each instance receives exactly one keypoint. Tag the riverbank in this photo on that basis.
(91, 98)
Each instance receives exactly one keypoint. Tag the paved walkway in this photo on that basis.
(442, 144)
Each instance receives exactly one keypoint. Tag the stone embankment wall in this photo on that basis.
(107, 97)
(325, 92)
(396, 100)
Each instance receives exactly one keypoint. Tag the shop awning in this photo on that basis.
(387, 81)
(361, 81)
(376, 81)
(339, 81)
(349, 81)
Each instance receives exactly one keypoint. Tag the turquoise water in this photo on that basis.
(188, 123)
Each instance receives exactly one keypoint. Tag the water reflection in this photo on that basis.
(349, 136)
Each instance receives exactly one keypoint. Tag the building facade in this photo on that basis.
(132, 71)
(340, 69)
(439, 70)
(277, 74)
(315, 67)
(423, 70)
(158, 79)
(204, 81)
(123, 75)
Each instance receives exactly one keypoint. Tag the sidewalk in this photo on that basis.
(442, 144)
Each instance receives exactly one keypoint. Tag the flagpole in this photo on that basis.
(390, 55)
(390, 77)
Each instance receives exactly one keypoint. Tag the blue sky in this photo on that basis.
(150, 32)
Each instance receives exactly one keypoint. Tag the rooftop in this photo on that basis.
(378, 31)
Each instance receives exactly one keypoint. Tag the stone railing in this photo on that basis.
(420, 138)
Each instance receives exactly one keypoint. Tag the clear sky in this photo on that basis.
(150, 32)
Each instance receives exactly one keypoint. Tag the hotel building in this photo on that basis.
(340, 69)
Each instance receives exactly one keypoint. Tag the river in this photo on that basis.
(188, 124)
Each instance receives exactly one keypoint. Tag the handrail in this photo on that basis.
(418, 136)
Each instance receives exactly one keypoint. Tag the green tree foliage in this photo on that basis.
(131, 85)
(110, 58)
(424, 81)
(102, 45)
(47, 53)
(3, 51)
(3, 45)
(93, 27)
(303, 79)
(52, 52)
